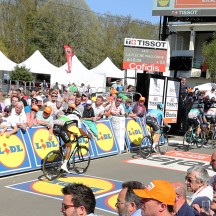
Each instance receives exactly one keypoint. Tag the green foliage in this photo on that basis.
(209, 52)
(48, 25)
(21, 73)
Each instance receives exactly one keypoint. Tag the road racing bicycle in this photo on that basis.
(146, 146)
(79, 159)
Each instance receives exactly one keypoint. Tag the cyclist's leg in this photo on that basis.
(65, 135)
(156, 129)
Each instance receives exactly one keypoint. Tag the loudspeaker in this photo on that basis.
(179, 63)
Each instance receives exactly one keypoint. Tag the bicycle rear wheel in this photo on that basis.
(146, 147)
(52, 165)
(163, 144)
(187, 140)
(81, 159)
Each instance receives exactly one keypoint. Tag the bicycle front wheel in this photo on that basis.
(163, 144)
(146, 147)
(81, 159)
(52, 165)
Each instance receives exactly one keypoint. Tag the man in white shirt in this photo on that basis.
(98, 108)
(197, 182)
(117, 108)
(18, 116)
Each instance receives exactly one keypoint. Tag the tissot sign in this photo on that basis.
(145, 55)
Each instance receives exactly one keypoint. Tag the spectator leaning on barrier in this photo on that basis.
(197, 182)
(44, 118)
(98, 108)
(128, 108)
(7, 122)
(19, 116)
(158, 198)
(78, 200)
(139, 108)
(78, 104)
(128, 203)
(117, 108)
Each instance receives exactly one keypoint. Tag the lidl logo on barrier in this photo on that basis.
(105, 138)
(134, 132)
(12, 151)
(99, 186)
(41, 143)
(82, 141)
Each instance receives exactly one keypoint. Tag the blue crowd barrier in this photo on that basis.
(25, 150)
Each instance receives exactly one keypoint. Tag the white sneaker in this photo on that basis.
(154, 148)
(64, 167)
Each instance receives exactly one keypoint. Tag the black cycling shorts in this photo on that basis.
(152, 122)
(62, 132)
(194, 122)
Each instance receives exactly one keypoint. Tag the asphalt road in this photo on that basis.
(36, 198)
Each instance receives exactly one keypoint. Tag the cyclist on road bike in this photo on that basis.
(211, 113)
(61, 128)
(154, 119)
(196, 117)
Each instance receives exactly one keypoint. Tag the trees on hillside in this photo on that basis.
(28, 25)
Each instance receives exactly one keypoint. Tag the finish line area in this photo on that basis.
(31, 194)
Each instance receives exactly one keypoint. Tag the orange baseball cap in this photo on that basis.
(141, 99)
(160, 190)
(113, 91)
(35, 108)
(72, 105)
(48, 109)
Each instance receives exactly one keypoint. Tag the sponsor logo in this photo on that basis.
(41, 144)
(105, 139)
(170, 115)
(82, 141)
(163, 3)
(177, 161)
(12, 151)
(99, 186)
(171, 104)
(145, 43)
(134, 132)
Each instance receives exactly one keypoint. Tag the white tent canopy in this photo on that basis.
(5, 63)
(37, 63)
(109, 69)
(205, 86)
(79, 74)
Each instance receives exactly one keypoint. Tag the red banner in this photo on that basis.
(69, 54)
(195, 4)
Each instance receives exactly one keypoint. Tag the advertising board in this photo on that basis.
(184, 8)
(145, 55)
